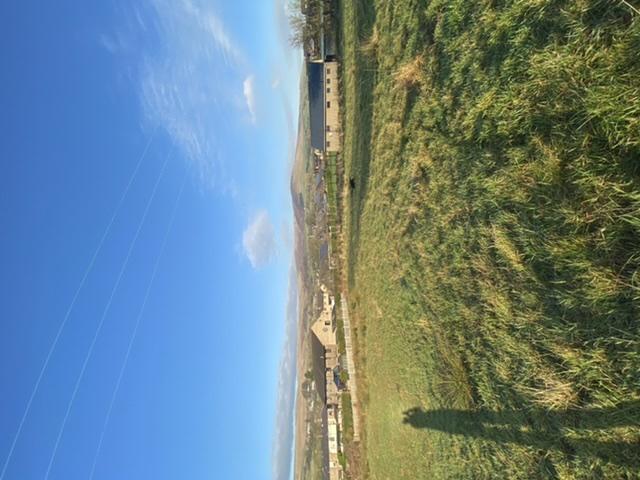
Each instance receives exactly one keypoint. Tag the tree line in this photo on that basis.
(307, 18)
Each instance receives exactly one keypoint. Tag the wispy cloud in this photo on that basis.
(108, 43)
(114, 43)
(230, 51)
(248, 88)
(259, 240)
(193, 81)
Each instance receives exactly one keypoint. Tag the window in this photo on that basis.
(328, 104)
(328, 70)
(328, 144)
(328, 90)
(328, 81)
(328, 128)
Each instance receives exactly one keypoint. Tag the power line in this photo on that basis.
(135, 329)
(61, 328)
(102, 319)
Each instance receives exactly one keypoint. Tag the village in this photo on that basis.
(454, 196)
(331, 380)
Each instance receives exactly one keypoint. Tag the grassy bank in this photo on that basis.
(493, 235)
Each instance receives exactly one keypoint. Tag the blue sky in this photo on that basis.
(154, 137)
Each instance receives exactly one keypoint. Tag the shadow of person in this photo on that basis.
(540, 428)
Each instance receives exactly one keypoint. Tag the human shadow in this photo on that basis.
(542, 429)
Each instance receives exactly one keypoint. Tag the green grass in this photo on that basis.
(342, 347)
(493, 235)
(343, 460)
(347, 418)
(334, 208)
(356, 91)
(331, 179)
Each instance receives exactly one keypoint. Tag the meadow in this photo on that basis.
(491, 217)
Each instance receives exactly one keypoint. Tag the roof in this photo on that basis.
(319, 369)
(315, 78)
(324, 328)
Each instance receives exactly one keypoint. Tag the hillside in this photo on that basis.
(492, 209)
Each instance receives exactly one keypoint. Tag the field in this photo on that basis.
(491, 211)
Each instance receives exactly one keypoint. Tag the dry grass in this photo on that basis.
(370, 47)
(411, 74)
(492, 233)
(554, 394)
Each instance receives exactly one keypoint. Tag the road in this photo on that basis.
(351, 368)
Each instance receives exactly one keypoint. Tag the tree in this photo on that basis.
(305, 22)
(297, 24)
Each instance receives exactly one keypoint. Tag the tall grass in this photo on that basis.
(494, 232)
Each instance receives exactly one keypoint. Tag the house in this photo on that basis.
(333, 437)
(315, 79)
(324, 106)
(325, 334)
(324, 330)
(332, 107)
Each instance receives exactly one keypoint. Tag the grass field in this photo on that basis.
(493, 235)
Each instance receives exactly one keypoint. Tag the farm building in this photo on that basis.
(315, 77)
(324, 108)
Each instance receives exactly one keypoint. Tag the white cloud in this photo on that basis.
(259, 240)
(190, 85)
(114, 43)
(216, 28)
(248, 87)
(108, 43)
